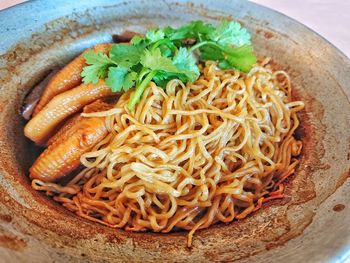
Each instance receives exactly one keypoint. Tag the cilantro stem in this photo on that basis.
(144, 71)
(226, 50)
(198, 45)
(209, 43)
(139, 90)
(166, 42)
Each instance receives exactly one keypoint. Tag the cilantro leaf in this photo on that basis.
(211, 53)
(183, 66)
(186, 64)
(98, 58)
(166, 46)
(98, 66)
(161, 78)
(136, 40)
(195, 29)
(92, 73)
(177, 34)
(116, 78)
(162, 82)
(224, 64)
(242, 58)
(126, 55)
(129, 80)
(201, 30)
(154, 60)
(154, 35)
(230, 33)
(165, 51)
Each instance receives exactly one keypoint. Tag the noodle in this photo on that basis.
(190, 157)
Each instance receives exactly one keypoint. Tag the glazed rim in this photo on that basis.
(36, 219)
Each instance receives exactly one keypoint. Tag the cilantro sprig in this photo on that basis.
(162, 55)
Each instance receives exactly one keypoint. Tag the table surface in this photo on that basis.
(329, 18)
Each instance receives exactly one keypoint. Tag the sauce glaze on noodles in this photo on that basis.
(190, 157)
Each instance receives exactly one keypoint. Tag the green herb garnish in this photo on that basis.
(162, 55)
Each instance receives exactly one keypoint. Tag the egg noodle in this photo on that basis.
(189, 156)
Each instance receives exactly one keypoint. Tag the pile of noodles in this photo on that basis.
(191, 155)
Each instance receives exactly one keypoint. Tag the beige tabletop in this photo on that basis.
(329, 18)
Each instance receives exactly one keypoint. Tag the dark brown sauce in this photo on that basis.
(343, 178)
(12, 242)
(265, 33)
(124, 37)
(6, 218)
(338, 208)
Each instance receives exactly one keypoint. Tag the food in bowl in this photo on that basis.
(178, 129)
